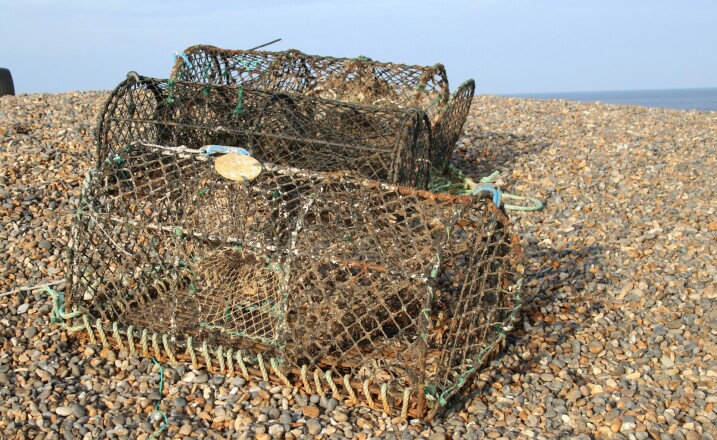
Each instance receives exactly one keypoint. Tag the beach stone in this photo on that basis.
(313, 426)
(615, 425)
(667, 362)
(30, 332)
(340, 416)
(310, 411)
(629, 424)
(693, 435)
(364, 423)
(64, 411)
(675, 324)
(23, 308)
(201, 378)
(595, 346)
(332, 404)
(276, 430)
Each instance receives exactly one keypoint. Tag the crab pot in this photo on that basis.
(377, 294)
(350, 80)
(390, 145)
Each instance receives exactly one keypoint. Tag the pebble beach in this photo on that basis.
(617, 339)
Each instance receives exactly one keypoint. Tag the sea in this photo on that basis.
(683, 99)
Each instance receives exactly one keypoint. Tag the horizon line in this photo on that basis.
(529, 94)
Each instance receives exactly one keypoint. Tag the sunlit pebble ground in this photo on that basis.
(617, 339)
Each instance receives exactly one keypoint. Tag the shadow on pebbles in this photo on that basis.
(617, 339)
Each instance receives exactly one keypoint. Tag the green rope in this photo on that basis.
(58, 305)
(247, 65)
(57, 314)
(455, 182)
(240, 104)
(165, 425)
(170, 97)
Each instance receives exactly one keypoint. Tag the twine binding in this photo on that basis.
(226, 361)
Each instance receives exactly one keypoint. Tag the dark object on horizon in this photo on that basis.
(6, 85)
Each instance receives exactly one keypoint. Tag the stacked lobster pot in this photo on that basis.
(331, 267)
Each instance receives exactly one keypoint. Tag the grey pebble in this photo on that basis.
(276, 430)
(63, 411)
(301, 400)
(313, 426)
(30, 332)
(274, 413)
(201, 378)
(78, 411)
(237, 381)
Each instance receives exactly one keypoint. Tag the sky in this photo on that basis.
(507, 46)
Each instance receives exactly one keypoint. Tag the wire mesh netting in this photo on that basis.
(321, 272)
(391, 144)
(350, 80)
(393, 293)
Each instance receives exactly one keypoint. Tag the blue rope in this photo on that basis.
(208, 150)
(182, 56)
(487, 187)
(535, 205)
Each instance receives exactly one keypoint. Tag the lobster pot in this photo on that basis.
(390, 145)
(350, 80)
(381, 295)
